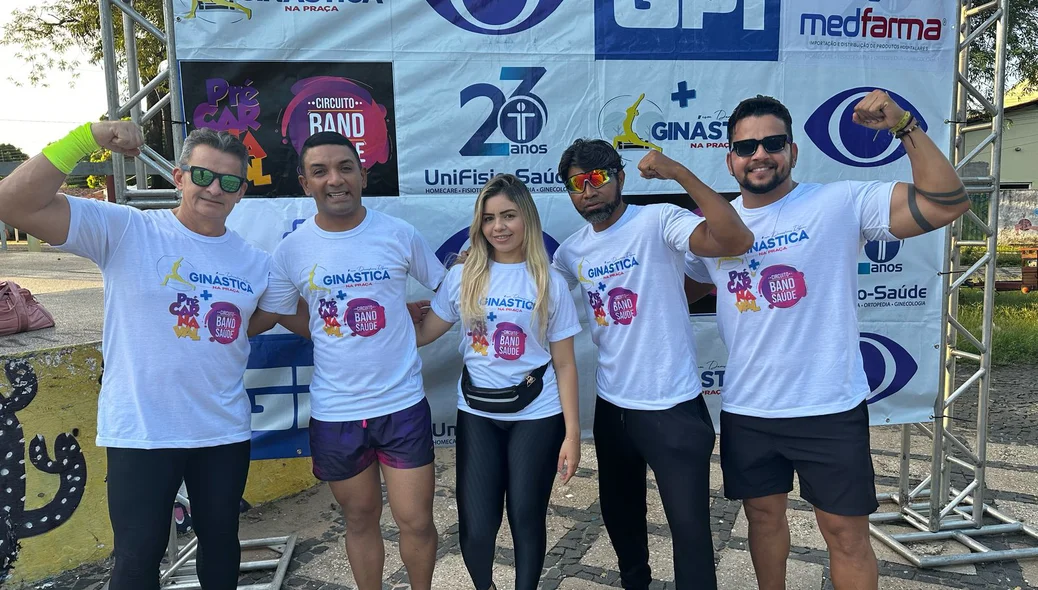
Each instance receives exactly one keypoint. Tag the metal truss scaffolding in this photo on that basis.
(181, 573)
(935, 509)
(150, 161)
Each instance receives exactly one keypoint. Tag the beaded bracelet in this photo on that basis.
(910, 127)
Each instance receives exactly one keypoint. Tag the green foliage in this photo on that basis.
(95, 181)
(44, 32)
(77, 182)
(1014, 324)
(1021, 43)
(10, 153)
(1005, 258)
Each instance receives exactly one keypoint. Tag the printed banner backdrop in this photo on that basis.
(445, 93)
(904, 35)
(257, 30)
(495, 118)
(275, 106)
(679, 108)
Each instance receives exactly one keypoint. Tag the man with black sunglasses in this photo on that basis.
(780, 412)
(628, 261)
(180, 290)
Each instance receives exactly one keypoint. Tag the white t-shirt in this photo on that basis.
(510, 345)
(633, 285)
(787, 310)
(366, 360)
(176, 313)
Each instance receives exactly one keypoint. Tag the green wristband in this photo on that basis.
(69, 150)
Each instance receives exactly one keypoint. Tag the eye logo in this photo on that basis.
(495, 18)
(831, 129)
(888, 366)
(880, 252)
(520, 117)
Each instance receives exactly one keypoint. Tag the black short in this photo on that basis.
(830, 453)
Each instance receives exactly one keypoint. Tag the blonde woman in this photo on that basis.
(518, 421)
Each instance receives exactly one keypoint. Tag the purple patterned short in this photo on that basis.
(402, 440)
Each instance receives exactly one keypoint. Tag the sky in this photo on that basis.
(32, 117)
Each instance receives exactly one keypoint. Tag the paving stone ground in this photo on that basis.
(580, 556)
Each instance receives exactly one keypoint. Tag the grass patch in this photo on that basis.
(1015, 324)
(1009, 257)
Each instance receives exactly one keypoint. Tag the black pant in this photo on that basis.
(499, 459)
(142, 486)
(676, 443)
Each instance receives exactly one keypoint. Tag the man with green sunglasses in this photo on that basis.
(180, 292)
(203, 177)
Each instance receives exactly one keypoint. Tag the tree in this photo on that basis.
(44, 33)
(10, 153)
(1021, 45)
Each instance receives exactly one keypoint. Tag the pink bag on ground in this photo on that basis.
(19, 310)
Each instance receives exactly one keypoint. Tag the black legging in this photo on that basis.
(496, 459)
(142, 486)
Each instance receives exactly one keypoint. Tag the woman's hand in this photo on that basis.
(569, 458)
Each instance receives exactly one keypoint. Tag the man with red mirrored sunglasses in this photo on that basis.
(629, 264)
(780, 415)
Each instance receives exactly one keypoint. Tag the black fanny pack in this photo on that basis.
(507, 400)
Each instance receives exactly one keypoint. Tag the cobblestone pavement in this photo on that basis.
(580, 556)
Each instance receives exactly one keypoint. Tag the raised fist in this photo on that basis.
(123, 137)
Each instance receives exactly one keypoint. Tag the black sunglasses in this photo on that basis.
(229, 183)
(747, 147)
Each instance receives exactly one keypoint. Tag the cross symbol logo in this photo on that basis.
(340, 295)
(754, 265)
(491, 316)
(683, 94)
(601, 286)
(206, 295)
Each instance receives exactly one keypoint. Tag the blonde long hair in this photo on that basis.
(475, 274)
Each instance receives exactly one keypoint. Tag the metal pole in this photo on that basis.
(176, 104)
(906, 455)
(989, 280)
(112, 89)
(133, 79)
(943, 411)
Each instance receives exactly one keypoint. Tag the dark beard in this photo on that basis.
(602, 214)
(764, 188)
